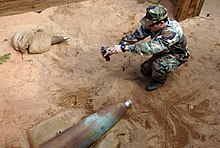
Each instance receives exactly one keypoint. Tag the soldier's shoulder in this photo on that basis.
(173, 25)
(173, 28)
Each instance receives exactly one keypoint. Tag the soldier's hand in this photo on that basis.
(113, 50)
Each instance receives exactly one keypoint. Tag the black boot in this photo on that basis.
(146, 69)
(153, 84)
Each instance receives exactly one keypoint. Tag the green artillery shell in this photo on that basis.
(85, 133)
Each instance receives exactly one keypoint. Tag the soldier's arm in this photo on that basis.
(139, 34)
(160, 43)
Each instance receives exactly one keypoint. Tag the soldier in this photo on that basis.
(168, 45)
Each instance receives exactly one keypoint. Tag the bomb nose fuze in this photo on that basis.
(128, 103)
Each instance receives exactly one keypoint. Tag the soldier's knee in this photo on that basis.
(158, 67)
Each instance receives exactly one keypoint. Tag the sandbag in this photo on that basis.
(40, 42)
(21, 40)
(32, 41)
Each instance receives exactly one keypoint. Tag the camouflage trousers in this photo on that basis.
(159, 66)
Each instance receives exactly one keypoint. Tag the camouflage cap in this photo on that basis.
(154, 14)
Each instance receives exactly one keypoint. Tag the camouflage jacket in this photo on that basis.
(168, 40)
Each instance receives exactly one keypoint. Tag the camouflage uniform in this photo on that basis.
(168, 47)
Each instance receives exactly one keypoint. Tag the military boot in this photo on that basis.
(155, 83)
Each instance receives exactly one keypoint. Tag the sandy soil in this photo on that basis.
(182, 113)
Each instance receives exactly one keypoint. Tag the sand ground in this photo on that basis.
(182, 113)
